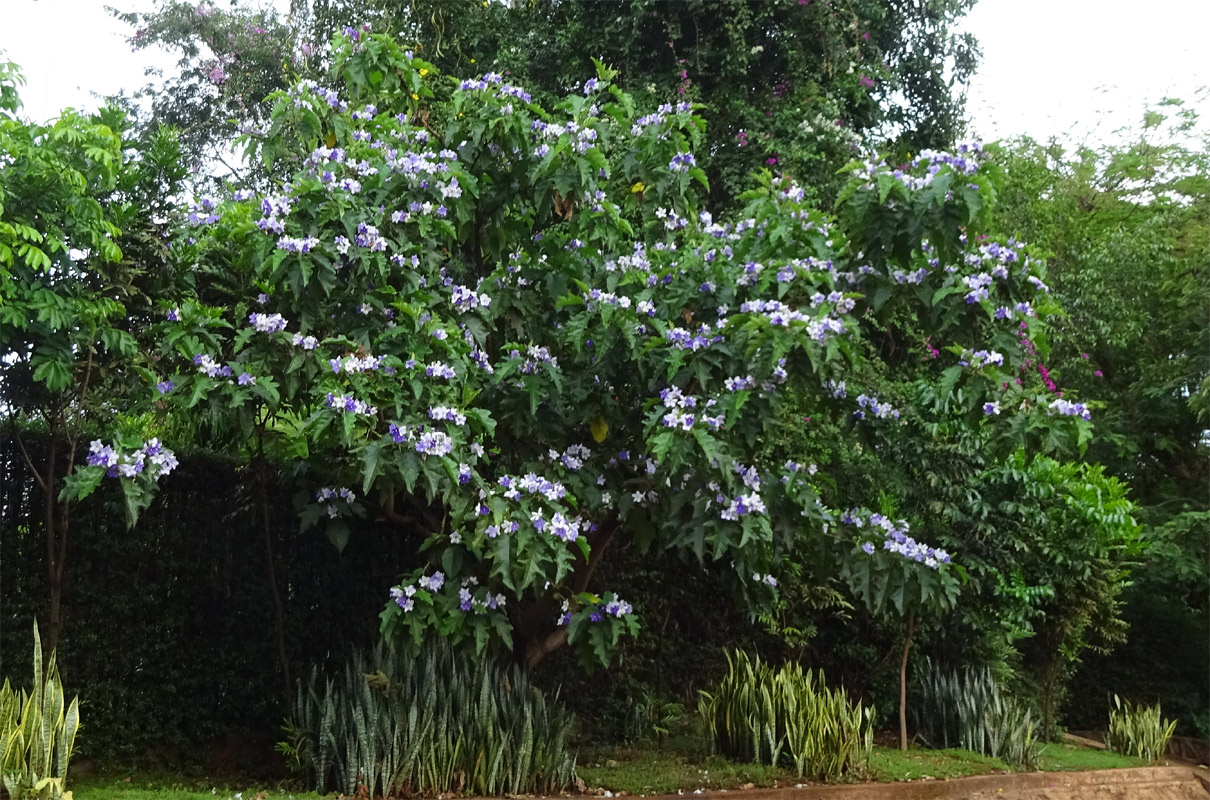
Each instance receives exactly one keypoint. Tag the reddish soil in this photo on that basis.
(1141, 783)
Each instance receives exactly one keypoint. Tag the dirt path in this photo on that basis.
(1141, 783)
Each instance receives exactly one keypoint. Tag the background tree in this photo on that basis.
(1125, 225)
(69, 296)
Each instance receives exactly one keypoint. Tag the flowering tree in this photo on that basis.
(515, 333)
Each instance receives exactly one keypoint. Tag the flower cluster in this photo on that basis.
(434, 443)
(680, 414)
(681, 162)
(766, 579)
(352, 363)
(211, 368)
(151, 459)
(328, 497)
(981, 358)
(1066, 408)
(267, 323)
(439, 370)
(682, 339)
(350, 404)
(876, 407)
(896, 539)
(404, 596)
(658, 118)
(466, 299)
(447, 414)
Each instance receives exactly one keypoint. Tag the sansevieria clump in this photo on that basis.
(1138, 730)
(968, 709)
(438, 723)
(787, 716)
(37, 733)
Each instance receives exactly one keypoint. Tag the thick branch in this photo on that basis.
(29, 462)
(540, 645)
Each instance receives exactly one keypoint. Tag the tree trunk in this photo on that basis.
(52, 536)
(533, 634)
(279, 613)
(907, 646)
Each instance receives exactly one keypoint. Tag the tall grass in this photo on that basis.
(435, 724)
(787, 717)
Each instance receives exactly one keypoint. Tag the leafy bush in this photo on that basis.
(652, 714)
(37, 733)
(967, 709)
(787, 716)
(434, 724)
(1138, 730)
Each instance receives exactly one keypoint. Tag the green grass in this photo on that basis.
(890, 765)
(680, 763)
(684, 763)
(172, 787)
(1058, 757)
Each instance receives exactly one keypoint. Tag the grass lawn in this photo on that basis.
(684, 763)
(891, 764)
(1060, 757)
(171, 787)
(680, 763)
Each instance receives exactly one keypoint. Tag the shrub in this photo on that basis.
(1138, 730)
(37, 733)
(434, 724)
(788, 717)
(967, 709)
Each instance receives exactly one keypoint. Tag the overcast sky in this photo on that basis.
(1079, 68)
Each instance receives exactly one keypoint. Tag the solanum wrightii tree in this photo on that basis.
(516, 333)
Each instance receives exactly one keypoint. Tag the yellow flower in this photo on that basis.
(638, 187)
(415, 96)
(423, 72)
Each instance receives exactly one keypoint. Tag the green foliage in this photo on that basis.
(430, 725)
(967, 709)
(1138, 730)
(787, 717)
(37, 733)
(652, 714)
(912, 765)
(574, 255)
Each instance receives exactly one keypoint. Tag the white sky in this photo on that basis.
(1077, 68)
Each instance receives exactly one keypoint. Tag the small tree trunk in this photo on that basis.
(907, 646)
(533, 635)
(279, 612)
(51, 535)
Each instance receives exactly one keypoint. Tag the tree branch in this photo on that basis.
(28, 461)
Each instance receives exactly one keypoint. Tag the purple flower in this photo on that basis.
(174, 315)
(164, 387)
